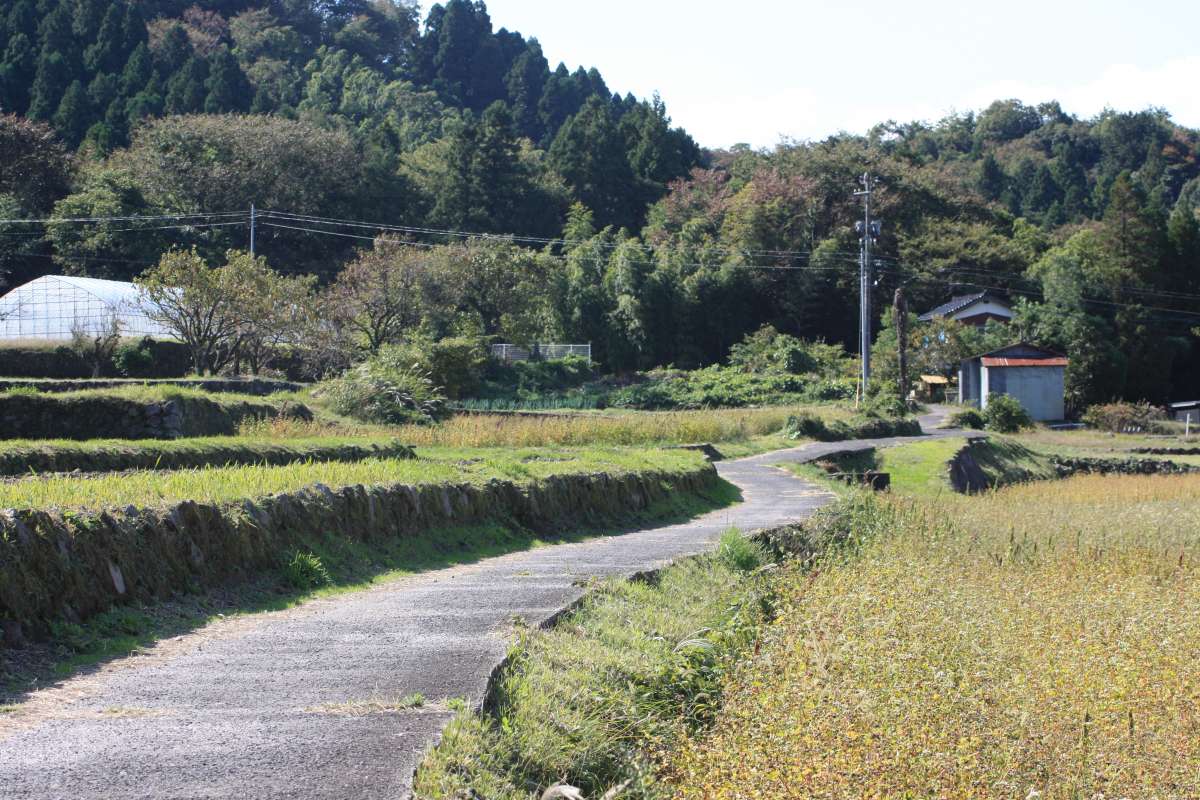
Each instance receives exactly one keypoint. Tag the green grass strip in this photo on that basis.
(116, 455)
(432, 466)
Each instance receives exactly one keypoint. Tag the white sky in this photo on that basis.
(757, 70)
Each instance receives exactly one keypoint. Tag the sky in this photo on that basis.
(756, 71)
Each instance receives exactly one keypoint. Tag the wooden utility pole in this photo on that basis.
(900, 312)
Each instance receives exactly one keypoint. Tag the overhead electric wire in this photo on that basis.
(560, 257)
(290, 216)
(56, 220)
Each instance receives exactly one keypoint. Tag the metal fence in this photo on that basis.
(509, 353)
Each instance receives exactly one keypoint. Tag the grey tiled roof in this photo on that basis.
(955, 304)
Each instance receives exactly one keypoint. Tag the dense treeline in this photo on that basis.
(660, 254)
(354, 106)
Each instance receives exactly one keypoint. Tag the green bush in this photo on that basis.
(386, 388)
(740, 554)
(1005, 414)
(456, 363)
(305, 571)
(1125, 417)
(967, 418)
(711, 387)
(134, 360)
(768, 350)
(807, 426)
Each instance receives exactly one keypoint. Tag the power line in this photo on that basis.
(289, 216)
(56, 220)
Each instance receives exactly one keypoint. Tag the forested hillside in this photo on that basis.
(355, 108)
(345, 121)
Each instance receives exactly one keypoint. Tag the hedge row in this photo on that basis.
(807, 426)
(259, 387)
(144, 358)
(101, 416)
(189, 454)
(73, 565)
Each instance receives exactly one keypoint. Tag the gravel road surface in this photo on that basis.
(269, 705)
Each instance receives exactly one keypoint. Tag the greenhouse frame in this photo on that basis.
(53, 306)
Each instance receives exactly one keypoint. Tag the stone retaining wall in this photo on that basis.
(71, 565)
(1067, 467)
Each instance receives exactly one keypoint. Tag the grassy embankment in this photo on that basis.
(432, 466)
(1035, 641)
(637, 665)
(307, 560)
(27, 457)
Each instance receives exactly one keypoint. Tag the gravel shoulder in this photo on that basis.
(302, 703)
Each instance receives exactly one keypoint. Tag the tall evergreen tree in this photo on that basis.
(560, 100)
(51, 80)
(174, 50)
(589, 153)
(107, 53)
(228, 89)
(137, 72)
(87, 18)
(186, 91)
(133, 28)
(18, 70)
(525, 83)
(73, 116)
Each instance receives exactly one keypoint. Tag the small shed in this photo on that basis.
(1032, 375)
(932, 388)
(972, 309)
(1187, 411)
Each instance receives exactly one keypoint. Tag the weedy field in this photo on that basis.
(613, 428)
(1039, 641)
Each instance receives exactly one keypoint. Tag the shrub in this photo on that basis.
(382, 389)
(768, 350)
(967, 418)
(806, 426)
(1005, 414)
(1124, 417)
(305, 571)
(133, 360)
(456, 363)
(738, 553)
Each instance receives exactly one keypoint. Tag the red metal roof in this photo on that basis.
(1024, 362)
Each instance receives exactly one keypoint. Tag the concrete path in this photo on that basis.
(269, 705)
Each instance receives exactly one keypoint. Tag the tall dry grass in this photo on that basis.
(573, 430)
(1039, 642)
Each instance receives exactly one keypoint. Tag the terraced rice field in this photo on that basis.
(1041, 641)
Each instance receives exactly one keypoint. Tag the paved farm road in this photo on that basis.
(249, 707)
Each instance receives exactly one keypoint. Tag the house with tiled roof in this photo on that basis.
(972, 309)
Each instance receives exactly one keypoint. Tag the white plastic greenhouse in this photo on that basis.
(52, 306)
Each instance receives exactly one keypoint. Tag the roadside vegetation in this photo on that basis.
(635, 667)
(1031, 642)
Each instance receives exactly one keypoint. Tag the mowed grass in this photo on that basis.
(1040, 641)
(432, 465)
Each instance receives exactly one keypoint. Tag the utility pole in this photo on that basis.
(900, 313)
(252, 217)
(867, 232)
